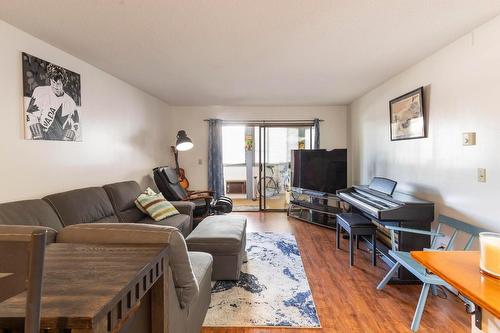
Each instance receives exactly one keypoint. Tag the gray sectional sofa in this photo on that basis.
(107, 215)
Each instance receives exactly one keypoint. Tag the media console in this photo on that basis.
(314, 207)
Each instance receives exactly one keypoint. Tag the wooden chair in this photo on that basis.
(430, 281)
(21, 269)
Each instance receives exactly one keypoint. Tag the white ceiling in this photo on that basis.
(250, 52)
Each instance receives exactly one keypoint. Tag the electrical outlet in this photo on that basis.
(481, 175)
(200, 161)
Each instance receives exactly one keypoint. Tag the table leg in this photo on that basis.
(159, 302)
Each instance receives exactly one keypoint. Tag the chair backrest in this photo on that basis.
(167, 181)
(457, 227)
(21, 268)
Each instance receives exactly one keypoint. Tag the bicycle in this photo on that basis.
(272, 184)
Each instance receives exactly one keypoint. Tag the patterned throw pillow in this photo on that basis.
(147, 191)
(156, 206)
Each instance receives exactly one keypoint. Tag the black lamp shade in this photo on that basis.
(183, 142)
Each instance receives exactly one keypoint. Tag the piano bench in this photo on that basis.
(356, 225)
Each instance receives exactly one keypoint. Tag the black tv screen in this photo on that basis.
(319, 170)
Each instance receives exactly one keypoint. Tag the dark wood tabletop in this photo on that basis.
(84, 284)
(4, 275)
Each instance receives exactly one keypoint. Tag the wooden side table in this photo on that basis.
(97, 288)
(461, 270)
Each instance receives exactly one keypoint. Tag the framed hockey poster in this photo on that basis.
(52, 101)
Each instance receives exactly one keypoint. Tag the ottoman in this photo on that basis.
(224, 237)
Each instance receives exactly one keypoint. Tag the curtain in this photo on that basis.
(215, 166)
(316, 133)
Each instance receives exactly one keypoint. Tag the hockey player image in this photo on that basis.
(52, 114)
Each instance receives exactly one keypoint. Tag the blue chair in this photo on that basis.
(429, 280)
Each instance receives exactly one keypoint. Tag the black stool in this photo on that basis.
(356, 225)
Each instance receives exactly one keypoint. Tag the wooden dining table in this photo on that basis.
(5, 275)
(96, 288)
(460, 269)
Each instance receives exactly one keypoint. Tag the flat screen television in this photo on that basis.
(319, 170)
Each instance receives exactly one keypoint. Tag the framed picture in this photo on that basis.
(407, 116)
(52, 101)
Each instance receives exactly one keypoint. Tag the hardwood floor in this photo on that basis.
(346, 298)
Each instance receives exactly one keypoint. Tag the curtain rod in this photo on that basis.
(267, 121)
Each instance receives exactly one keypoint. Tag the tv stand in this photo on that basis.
(314, 207)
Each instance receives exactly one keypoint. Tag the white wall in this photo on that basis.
(123, 128)
(462, 85)
(332, 129)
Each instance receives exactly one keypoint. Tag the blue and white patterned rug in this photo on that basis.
(272, 290)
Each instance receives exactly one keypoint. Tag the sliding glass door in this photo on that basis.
(275, 144)
(257, 158)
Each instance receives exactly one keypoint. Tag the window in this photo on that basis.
(233, 144)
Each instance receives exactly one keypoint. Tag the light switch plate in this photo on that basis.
(481, 175)
(469, 139)
(200, 161)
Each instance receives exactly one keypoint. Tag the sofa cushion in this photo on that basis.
(86, 205)
(29, 212)
(122, 196)
(222, 234)
(181, 222)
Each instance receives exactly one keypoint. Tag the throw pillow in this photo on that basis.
(156, 206)
(147, 191)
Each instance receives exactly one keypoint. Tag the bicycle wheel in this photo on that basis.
(270, 187)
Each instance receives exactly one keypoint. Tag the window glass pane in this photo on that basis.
(277, 144)
(233, 144)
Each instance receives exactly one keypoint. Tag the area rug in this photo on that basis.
(272, 290)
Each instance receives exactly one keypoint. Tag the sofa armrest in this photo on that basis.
(131, 233)
(184, 207)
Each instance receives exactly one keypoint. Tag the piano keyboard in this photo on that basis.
(361, 203)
